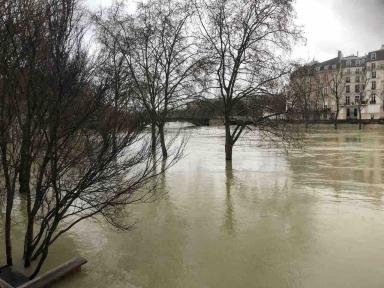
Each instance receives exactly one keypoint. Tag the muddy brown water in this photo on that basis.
(309, 218)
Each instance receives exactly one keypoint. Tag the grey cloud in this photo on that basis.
(363, 21)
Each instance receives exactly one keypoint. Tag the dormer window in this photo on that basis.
(334, 66)
(326, 67)
(358, 62)
(373, 56)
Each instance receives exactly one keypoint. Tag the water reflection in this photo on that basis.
(349, 162)
(312, 218)
(229, 221)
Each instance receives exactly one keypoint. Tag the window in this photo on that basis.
(373, 85)
(373, 65)
(347, 89)
(373, 74)
(358, 62)
(326, 67)
(373, 99)
(348, 71)
(348, 63)
(347, 100)
(357, 71)
(348, 80)
(334, 66)
(357, 88)
(317, 69)
(357, 79)
(357, 99)
(326, 90)
(373, 56)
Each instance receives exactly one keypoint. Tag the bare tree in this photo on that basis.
(68, 145)
(241, 41)
(363, 100)
(161, 57)
(9, 83)
(336, 83)
(304, 84)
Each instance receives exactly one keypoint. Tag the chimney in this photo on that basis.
(339, 55)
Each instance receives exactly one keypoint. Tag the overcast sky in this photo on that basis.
(348, 25)
(330, 25)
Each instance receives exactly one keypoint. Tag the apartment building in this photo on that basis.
(356, 83)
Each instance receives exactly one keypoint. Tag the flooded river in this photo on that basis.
(310, 218)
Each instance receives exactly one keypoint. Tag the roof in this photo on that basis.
(353, 61)
(379, 55)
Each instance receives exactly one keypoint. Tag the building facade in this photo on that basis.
(348, 87)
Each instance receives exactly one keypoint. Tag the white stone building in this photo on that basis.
(359, 83)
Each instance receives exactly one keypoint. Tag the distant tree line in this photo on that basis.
(213, 108)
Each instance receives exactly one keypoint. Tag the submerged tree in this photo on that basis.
(9, 81)
(242, 40)
(306, 87)
(70, 149)
(303, 87)
(159, 55)
(361, 88)
(336, 84)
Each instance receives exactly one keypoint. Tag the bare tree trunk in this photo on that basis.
(336, 117)
(228, 141)
(8, 240)
(153, 136)
(24, 180)
(39, 264)
(162, 141)
(359, 118)
(9, 206)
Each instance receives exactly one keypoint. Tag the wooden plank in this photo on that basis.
(55, 274)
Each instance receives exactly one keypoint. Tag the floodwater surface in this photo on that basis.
(309, 218)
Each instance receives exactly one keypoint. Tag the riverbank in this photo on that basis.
(350, 121)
